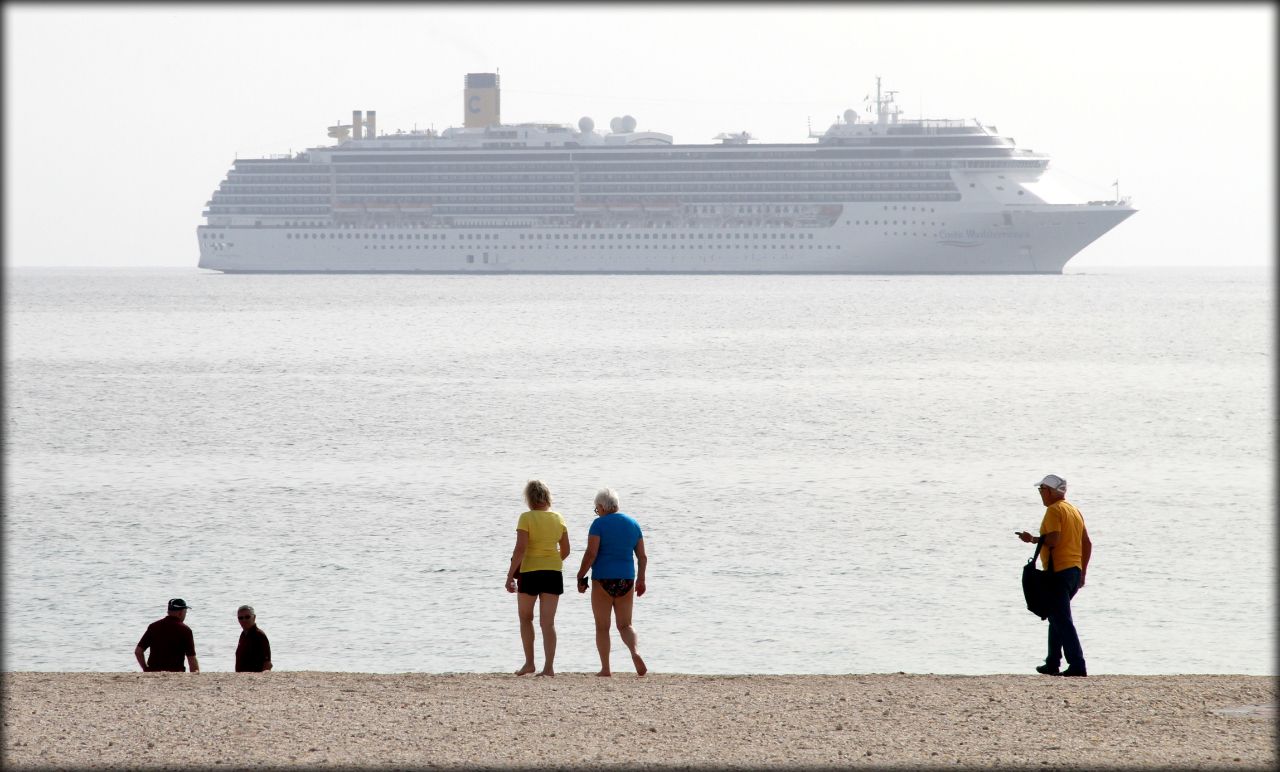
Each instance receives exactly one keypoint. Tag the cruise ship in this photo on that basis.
(875, 194)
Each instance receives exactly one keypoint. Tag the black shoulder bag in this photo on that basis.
(1037, 584)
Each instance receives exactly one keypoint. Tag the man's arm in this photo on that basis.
(192, 664)
(1086, 549)
(1050, 539)
(142, 662)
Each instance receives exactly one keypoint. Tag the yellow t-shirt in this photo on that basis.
(1063, 517)
(545, 530)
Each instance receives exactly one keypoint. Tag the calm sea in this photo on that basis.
(828, 470)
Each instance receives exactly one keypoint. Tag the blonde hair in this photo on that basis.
(537, 494)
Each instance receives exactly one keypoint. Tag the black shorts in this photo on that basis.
(538, 582)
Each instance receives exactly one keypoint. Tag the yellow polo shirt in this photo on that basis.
(545, 530)
(1063, 517)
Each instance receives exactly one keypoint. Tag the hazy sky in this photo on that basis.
(121, 120)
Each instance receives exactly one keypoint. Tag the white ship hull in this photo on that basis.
(1027, 239)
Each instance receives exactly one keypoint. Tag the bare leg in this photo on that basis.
(601, 606)
(524, 603)
(547, 604)
(622, 613)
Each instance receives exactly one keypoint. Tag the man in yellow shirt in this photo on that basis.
(1068, 550)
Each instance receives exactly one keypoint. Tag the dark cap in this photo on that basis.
(177, 604)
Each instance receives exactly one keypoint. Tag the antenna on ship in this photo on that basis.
(883, 101)
(879, 103)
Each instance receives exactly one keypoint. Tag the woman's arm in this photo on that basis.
(589, 557)
(517, 555)
(642, 561)
(564, 545)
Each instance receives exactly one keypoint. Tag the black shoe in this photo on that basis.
(1073, 672)
(1047, 669)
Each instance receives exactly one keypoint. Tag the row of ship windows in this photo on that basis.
(620, 182)
(650, 174)
(699, 209)
(215, 209)
(610, 246)
(574, 236)
(498, 167)
(653, 156)
(566, 201)
(502, 192)
(771, 176)
(548, 237)
(597, 237)
(415, 182)
(787, 245)
(639, 236)
(753, 187)
(220, 245)
(499, 208)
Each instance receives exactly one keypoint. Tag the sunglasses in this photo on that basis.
(244, 617)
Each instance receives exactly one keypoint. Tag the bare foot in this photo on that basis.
(639, 663)
(527, 669)
(547, 672)
(604, 674)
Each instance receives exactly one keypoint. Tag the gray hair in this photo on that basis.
(247, 608)
(607, 499)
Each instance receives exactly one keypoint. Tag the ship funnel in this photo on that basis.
(356, 124)
(481, 105)
(371, 120)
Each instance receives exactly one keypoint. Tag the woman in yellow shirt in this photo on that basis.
(542, 544)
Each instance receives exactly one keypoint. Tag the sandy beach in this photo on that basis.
(298, 719)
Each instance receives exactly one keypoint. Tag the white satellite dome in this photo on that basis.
(586, 125)
(850, 116)
(628, 124)
(615, 125)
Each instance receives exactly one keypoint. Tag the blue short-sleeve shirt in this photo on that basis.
(618, 534)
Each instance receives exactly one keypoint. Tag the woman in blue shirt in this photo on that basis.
(615, 580)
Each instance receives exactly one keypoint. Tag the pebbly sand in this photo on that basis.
(298, 719)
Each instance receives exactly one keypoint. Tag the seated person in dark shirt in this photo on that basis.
(169, 639)
(253, 653)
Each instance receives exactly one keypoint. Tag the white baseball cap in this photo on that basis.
(1055, 482)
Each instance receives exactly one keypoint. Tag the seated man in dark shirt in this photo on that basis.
(169, 639)
(253, 653)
